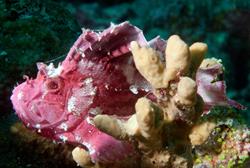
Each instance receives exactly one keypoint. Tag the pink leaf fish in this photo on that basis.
(98, 76)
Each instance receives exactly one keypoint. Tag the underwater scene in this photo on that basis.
(124, 84)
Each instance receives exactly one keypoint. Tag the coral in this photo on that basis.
(123, 101)
(164, 130)
(200, 132)
(161, 128)
(82, 157)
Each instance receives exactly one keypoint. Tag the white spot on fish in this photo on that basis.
(106, 86)
(52, 71)
(83, 30)
(90, 148)
(78, 138)
(146, 89)
(63, 138)
(93, 92)
(112, 24)
(32, 108)
(71, 104)
(44, 94)
(88, 89)
(89, 121)
(83, 65)
(133, 89)
(88, 81)
(99, 36)
(95, 111)
(81, 98)
(20, 95)
(83, 55)
(38, 126)
(80, 51)
(64, 126)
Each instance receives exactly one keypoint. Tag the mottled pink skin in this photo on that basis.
(213, 90)
(96, 74)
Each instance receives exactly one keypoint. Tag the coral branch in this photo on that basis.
(186, 92)
(178, 58)
(82, 157)
(197, 53)
(160, 130)
(111, 126)
(148, 63)
(145, 125)
(149, 118)
(200, 132)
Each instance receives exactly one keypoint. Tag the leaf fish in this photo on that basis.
(98, 76)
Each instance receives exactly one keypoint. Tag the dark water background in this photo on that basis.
(44, 30)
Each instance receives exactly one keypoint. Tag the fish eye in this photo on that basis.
(53, 85)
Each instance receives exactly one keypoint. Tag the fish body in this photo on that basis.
(98, 76)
